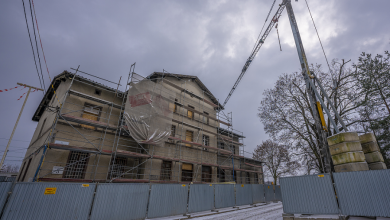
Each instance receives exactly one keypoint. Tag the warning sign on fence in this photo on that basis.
(50, 191)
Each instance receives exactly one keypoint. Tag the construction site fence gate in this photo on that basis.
(51, 200)
(359, 193)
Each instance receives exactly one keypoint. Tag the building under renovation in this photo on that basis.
(162, 128)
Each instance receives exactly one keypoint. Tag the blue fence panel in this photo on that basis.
(364, 193)
(269, 193)
(50, 201)
(278, 193)
(120, 201)
(224, 196)
(244, 194)
(4, 189)
(312, 194)
(201, 198)
(167, 200)
(258, 193)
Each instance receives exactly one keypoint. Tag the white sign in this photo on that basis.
(61, 142)
(57, 170)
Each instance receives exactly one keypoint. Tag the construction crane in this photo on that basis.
(309, 81)
(258, 44)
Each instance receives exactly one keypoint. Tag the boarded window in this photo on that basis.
(189, 137)
(172, 107)
(206, 140)
(76, 165)
(247, 178)
(221, 175)
(117, 168)
(206, 174)
(173, 131)
(166, 168)
(186, 172)
(91, 112)
(190, 114)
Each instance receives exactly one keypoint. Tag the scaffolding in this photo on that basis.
(94, 134)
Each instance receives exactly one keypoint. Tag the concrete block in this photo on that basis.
(377, 166)
(365, 138)
(342, 137)
(374, 157)
(370, 147)
(348, 157)
(345, 147)
(350, 167)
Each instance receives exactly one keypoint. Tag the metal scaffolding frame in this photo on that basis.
(130, 161)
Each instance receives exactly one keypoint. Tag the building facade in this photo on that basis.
(81, 137)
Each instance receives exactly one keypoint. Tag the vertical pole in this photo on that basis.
(13, 131)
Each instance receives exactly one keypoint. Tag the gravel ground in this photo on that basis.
(271, 211)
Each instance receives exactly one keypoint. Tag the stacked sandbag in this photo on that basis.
(372, 152)
(347, 153)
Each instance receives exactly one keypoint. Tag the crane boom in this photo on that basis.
(256, 49)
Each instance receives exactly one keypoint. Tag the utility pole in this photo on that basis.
(322, 142)
(17, 121)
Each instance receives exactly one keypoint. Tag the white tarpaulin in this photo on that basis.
(148, 112)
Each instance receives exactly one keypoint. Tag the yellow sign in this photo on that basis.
(272, 183)
(211, 184)
(242, 185)
(183, 185)
(268, 187)
(321, 175)
(50, 191)
(85, 185)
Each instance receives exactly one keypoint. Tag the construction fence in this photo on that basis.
(42, 200)
(360, 193)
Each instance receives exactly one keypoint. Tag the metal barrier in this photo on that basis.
(269, 193)
(258, 193)
(311, 194)
(11, 179)
(224, 196)
(278, 193)
(3, 178)
(364, 193)
(50, 201)
(201, 198)
(120, 201)
(244, 194)
(4, 189)
(167, 200)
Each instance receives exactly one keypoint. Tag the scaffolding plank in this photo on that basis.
(252, 165)
(85, 121)
(82, 95)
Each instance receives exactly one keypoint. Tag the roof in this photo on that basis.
(62, 77)
(194, 78)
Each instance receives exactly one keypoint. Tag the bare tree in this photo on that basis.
(278, 161)
(10, 168)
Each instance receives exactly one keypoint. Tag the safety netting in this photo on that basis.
(148, 111)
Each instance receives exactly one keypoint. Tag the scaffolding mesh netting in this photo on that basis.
(148, 111)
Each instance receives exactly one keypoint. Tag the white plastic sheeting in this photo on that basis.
(148, 111)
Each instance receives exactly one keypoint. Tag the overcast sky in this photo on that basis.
(209, 39)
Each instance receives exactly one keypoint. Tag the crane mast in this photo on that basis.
(256, 49)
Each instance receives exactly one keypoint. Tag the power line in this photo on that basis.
(318, 35)
(32, 47)
(36, 46)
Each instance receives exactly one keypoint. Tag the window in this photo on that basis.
(25, 172)
(256, 178)
(43, 125)
(173, 106)
(173, 131)
(189, 137)
(186, 172)
(190, 114)
(233, 148)
(76, 165)
(234, 176)
(117, 168)
(206, 140)
(221, 175)
(205, 118)
(98, 92)
(221, 145)
(206, 174)
(247, 179)
(166, 170)
(91, 112)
